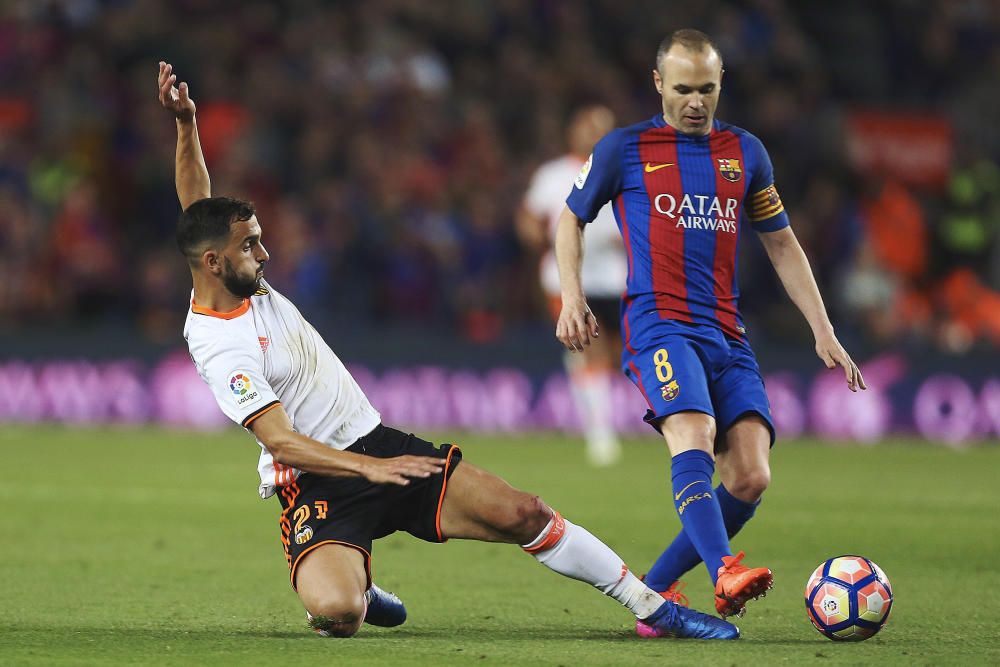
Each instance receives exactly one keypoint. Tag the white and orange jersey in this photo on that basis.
(605, 268)
(265, 354)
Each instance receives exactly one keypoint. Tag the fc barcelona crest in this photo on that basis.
(670, 390)
(730, 169)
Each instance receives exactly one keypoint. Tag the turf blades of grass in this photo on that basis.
(151, 547)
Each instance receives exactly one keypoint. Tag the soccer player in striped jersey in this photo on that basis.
(682, 185)
(343, 479)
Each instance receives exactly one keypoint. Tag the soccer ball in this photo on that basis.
(848, 598)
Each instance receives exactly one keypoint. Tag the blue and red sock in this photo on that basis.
(681, 556)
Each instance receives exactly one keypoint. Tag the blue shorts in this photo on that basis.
(682, 367)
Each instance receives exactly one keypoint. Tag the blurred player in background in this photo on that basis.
(604, 273)
(342, 478)
(683, 185)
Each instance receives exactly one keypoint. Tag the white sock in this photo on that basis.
(591, 390)
(574, 552)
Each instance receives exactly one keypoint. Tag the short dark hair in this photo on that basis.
(693, 40)
(209, 220)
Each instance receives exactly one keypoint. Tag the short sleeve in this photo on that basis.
(600, 178)
(536, 198)
(764, 208)
(237, 381)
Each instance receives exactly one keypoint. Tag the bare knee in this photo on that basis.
(689, 430)
(336, 614)
(750, 485)
(743, 460)
(524, 519)
(534, 516)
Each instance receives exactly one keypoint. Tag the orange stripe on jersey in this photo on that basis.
(236, 312)
(282, 474)
(552, 537)
(290, 494)
(444, 486)
(253, 416)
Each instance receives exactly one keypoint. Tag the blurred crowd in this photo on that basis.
(388, 143)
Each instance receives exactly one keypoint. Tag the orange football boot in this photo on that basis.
(674, 594)
(737, 584)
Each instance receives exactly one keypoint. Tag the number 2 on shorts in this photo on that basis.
(664, 371)
(301, 515)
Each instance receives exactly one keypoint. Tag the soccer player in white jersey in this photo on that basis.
(342, 478)
(603, 275)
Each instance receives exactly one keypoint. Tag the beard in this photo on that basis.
(238, 285)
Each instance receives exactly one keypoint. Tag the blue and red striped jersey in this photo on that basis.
(679, 201)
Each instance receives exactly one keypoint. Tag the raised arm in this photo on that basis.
(576, 325)
(191, 175)
(793, 269)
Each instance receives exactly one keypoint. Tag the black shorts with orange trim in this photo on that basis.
(352, 511)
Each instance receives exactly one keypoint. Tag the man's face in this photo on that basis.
(243, 258)
(689, 83)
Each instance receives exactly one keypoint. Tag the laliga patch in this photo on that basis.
(243, 389)
(581, 178)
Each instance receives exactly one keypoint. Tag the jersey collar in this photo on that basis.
(660, 121)
(236, 312)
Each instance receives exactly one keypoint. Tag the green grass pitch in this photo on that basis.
(151, 547)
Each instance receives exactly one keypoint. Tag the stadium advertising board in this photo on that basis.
(915, 149)
(941, 406)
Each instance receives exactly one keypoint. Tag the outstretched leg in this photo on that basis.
(481, 506)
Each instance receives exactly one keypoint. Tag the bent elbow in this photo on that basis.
(278, 447)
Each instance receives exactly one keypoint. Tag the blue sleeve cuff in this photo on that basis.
(772, 224)
(573, 207)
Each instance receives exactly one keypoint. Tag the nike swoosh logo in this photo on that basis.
(681, 492)
(650, 168)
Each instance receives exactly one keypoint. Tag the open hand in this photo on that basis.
(398, 469)
(175, 99)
